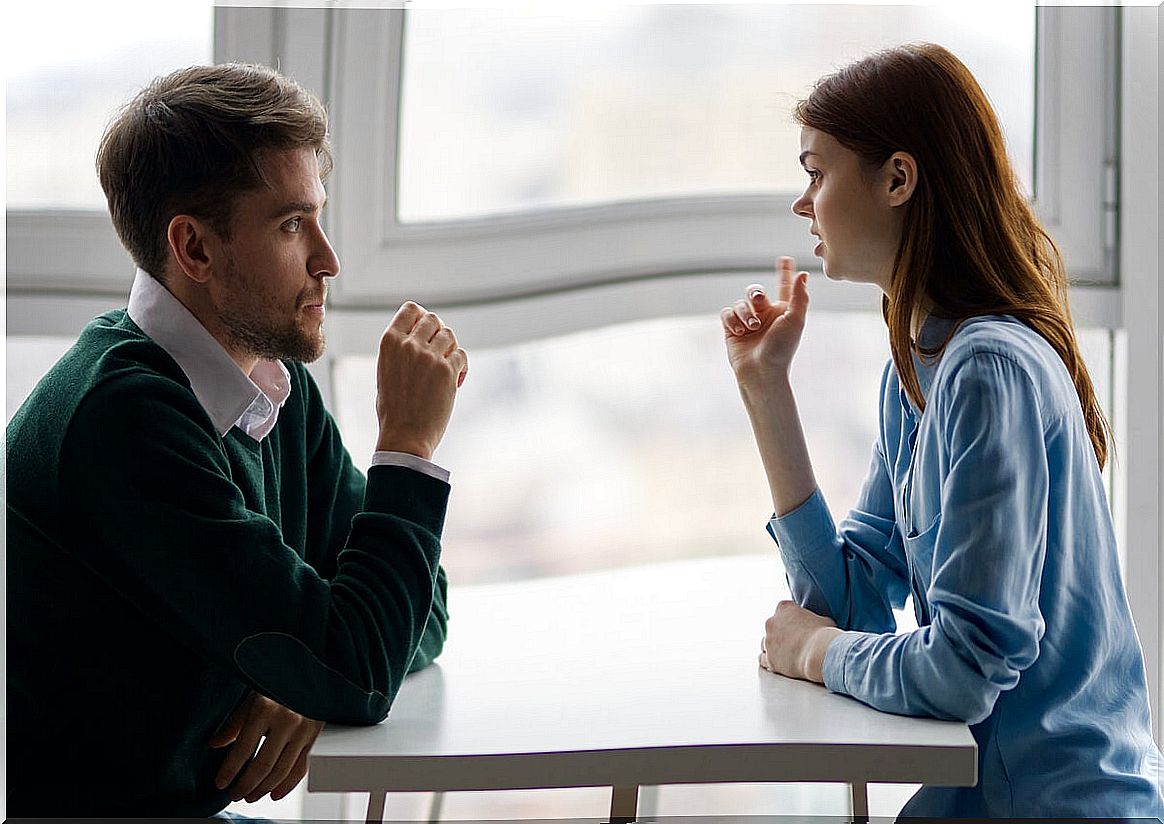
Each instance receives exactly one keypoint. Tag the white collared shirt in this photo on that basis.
(229, 396)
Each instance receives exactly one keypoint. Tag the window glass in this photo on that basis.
(629, 444)
(516, 109)
(68, 70)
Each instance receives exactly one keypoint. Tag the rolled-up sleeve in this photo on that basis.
(988, 549)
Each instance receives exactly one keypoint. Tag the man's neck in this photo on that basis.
(198, 303)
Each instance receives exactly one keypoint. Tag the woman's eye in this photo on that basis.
(813, 175)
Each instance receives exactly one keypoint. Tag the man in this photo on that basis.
(194, 564)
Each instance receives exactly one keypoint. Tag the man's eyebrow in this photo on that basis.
(297, 206)
(805, 154)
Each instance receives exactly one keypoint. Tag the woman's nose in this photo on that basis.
(802, 206)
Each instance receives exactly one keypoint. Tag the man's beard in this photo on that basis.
(267, 334)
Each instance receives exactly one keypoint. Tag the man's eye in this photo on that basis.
(292, 225)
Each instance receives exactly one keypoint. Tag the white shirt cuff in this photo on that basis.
(412, 462)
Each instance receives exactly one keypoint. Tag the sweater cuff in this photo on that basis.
(805, 531)
(834, 662)
(384, 458)
(408, 494)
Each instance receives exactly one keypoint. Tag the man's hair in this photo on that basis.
(192, 142)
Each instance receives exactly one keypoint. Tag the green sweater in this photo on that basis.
(157, 571)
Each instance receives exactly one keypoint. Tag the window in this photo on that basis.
(602, 166)
(66, 84)
(73, 65)
(629, 444)
(515, 109)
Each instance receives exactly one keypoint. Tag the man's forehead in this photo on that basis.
(291, 175)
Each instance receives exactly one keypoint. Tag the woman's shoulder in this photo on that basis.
(998, 348)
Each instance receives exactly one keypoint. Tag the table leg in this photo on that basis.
(624, 802)
(434, 810)
(860, 802)
(376, 807)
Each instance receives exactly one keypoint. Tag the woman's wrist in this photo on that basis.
(818, 648)
(763, 387)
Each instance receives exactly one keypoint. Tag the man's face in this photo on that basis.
(269, 294)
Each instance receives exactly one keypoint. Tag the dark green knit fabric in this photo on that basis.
(157, 571)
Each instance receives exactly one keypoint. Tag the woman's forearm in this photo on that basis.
(771, 407)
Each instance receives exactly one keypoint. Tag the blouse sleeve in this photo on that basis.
(988, 543)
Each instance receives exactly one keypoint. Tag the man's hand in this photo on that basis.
(795, 642)
(419, 369)
(280, 764)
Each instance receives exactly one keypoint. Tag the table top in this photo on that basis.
(639, 676)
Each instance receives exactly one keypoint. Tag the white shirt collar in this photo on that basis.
(227, 394)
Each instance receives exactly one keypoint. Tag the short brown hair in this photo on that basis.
(192, 142)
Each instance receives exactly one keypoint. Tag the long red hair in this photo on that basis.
(971, 243)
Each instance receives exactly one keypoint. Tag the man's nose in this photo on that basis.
(324, 263)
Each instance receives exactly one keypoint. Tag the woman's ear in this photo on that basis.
(900, 176)
(191, 242)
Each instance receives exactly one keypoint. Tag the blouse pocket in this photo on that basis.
(919, 555)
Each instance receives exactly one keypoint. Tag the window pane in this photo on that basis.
(515, 109)
(70, 68)
(627, 444)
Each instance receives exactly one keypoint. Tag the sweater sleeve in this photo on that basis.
(159, 519)
(335, 496)
(856, 574)
(988, 546)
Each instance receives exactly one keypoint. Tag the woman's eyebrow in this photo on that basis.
(805, 154)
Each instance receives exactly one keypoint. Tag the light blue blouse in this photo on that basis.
(990, 509)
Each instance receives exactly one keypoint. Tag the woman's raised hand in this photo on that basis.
(761, 334)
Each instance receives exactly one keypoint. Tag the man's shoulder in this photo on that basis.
(113, 359)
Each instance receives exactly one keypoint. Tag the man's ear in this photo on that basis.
(193, 247)
(900, 175)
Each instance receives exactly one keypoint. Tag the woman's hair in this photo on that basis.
(970, 243)
(192, 142)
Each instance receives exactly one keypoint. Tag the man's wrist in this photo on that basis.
(406, 447)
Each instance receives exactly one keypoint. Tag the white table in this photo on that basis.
(626, 678)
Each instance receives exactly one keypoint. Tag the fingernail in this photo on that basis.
(755, 293)
(753, 322)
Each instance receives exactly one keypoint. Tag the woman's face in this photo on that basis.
(856, 213)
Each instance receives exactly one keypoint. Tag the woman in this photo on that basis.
(984, 498)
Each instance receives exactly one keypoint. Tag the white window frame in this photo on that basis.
(515, 277)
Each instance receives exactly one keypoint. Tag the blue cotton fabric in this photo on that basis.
(989, 508)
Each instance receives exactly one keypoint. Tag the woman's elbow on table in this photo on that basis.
(977, 667)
